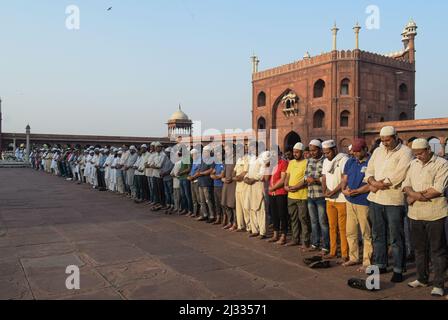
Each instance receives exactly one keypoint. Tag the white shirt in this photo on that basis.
(334, 177)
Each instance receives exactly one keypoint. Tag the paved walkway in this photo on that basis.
(124, 251)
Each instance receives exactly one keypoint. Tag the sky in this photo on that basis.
(125, 71)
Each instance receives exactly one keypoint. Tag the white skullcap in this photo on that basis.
(157, 144)
(299, 146)
(120, 152)
(144, 146)
(265, 157)
(316, 143)
(153, 144)
(350, 147)
(132, 148)
(328, 144)
(91, 151)
(194, 151)
(388, 131)
(420, 144)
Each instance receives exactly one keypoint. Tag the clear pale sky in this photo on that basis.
(126, 70)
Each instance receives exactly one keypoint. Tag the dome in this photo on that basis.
(179, 115)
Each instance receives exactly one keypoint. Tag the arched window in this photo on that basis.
(345, 87)
(344, 120)
(261, 124)
(261, 100)
(403, 116)
(319, 88)
(318, 119)
(403, 92)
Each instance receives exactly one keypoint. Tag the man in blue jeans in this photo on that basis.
(385, 174)
(316, 199)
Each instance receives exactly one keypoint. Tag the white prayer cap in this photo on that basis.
(157, 144)
(328, 144)
(299, 146)
(265, 157)
(120, 152)
(144, 146)
(316, 143)
(153, 144)
(132, 148)
(86, 151)
(388, 131)
(106, 150)
(194, 151)
(350, 147)
(418, 144)
(91, 151)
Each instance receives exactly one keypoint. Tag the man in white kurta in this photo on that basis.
(255, 194)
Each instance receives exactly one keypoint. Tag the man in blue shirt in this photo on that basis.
(356, 192)
(206, 186)
(217, 175)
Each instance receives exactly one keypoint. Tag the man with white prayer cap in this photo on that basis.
(144, 167)
(139, 176)
(317, 207)
(205, 183)
(193, 178)
(297, 204)
(239, 172)
(254, 201)
(332, 173)
(385, 174)
(130, 171)
(167, 179)
(156, 165)
(149, 173)
(424, 186)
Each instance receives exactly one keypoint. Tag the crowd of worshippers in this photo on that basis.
(383, 207)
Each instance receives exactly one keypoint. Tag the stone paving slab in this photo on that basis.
(124, 251)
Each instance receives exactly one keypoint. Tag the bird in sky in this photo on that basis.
(110, 8)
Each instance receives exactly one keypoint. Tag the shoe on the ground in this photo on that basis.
(359, 284)
(397, 277)
(263, 237)
(417, 284)
(201, 219)
(437, 292)
(311, 260)
(320, 265)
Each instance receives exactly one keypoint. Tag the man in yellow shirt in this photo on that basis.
(297, 189)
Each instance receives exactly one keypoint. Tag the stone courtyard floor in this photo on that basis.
(124, 251)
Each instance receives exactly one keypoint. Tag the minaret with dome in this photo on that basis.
(179, 125)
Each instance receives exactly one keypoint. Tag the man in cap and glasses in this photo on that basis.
(385, 174)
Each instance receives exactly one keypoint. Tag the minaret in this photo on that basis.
(411, 33)
(255, 63)
(335, 35)
(357, 28)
